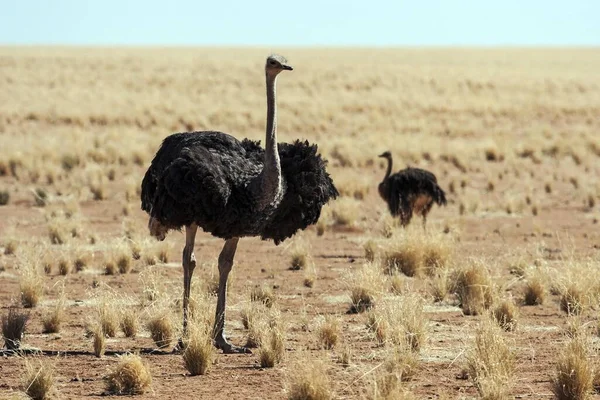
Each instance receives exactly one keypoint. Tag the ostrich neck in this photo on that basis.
(270, 178)
(389, 169)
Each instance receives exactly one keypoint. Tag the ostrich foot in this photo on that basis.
(179, 347)
(228, 348)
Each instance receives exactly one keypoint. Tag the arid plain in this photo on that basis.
(497, 299)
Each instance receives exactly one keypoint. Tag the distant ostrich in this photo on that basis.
(233, 189)
(410, 190)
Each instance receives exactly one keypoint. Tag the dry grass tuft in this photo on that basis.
(474, 288)
(110, 267)
(64, 268)
(535, 291)
(263, 294)
(199, 353)
(505, 314)
(345, 356)
(365, 284)
(440, 285)
(13, 328)
(10, 247)
(344, 211)
(258, 319)
(99, 341)
(161, 330)
(129, 323)
(39, 380)
(31, 286)
(108, 319)
(329, 333)
(123, 262)
(4, 197)
(574, 372)
(573, 299)
(408, 260)
(131, 376)
(309, 381)
(299, 254)
(399, 366)
(491, 362)
(272, 347)
(400, 322)
(51, 320)
(370, 248)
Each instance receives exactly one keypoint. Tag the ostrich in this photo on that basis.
(410, 190)
(234, 189)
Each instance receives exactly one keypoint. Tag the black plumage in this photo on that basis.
(203, 178)
(233, 189)
(410, 191)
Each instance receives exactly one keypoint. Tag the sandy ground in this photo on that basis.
(491, 236)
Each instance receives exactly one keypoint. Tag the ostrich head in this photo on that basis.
(386, 154)
(276, 63)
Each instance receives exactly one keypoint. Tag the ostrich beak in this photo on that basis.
(381, 155)
(287, 67)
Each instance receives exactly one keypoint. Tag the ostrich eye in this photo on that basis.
(273, 62)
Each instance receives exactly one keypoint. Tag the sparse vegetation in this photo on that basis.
(38, 381)
(263, 294)
(329, 333)
(491, 362)
(505, 314)
(131, 376)
(52, 319)
(474, 288)
(199, 351)
(161, 330)
(129, 323)
(271, 349)
(522, 122)
(13, 328)
(309, 381)
(574, 372)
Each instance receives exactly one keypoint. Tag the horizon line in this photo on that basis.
(297, 46)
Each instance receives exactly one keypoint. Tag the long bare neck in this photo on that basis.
(389, 169)
(270, 191)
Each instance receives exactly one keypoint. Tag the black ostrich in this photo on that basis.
(233, 189)
(411, 190)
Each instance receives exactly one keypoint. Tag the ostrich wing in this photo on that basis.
(193, 175)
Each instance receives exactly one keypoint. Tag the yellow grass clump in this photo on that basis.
(13, 328)
(399, 366)
(506, 315)
(51, 320)
(199, 353)
(263, 294)
(31, 286)
(399, 321)
(365, 284)
(491, 362)
(161, 330)
(574, 371)
(39, 380)
(130, 376)
(474, 287)
(328, 333)
(308, 380)
(129, 322)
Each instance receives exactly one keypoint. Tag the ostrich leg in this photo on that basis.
(189, 264)
(225, 265)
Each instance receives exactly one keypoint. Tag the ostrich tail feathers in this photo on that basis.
(309, 188)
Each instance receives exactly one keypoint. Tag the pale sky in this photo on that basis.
(301, 22)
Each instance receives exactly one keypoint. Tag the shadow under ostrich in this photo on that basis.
(234, 189)
(411, 190)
